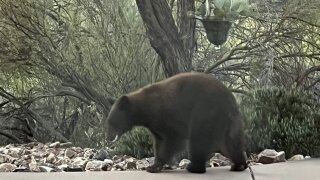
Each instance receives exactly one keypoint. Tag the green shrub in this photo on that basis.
(136, 143)
(281, 119)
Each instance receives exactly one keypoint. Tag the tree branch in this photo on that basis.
(306, 73)
(10, 136)
(33, 114)
(227, 57)
(164, 36)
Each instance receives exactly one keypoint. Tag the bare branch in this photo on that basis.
(33, 114)
(306, 73)
(10, 136)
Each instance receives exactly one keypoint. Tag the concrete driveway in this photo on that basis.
(294, 170)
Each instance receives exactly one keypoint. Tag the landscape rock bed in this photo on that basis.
(58, 157)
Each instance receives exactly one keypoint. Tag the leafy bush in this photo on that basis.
(282, 119)
(136, 143)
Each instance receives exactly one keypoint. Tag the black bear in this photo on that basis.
(189, 110)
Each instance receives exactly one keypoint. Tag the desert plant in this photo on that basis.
(217, 17)
(283, 120)
(136, 143)
(226, 10)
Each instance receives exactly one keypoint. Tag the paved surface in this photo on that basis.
(297, 170)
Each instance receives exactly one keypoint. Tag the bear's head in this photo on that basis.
(119, 119)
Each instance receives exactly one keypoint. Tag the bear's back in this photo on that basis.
(193, 86)
(183, 92)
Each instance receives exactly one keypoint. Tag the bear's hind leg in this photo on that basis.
(164, 149)
(234, 150)
(199, 152)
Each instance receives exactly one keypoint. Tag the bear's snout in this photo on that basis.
(112, 137)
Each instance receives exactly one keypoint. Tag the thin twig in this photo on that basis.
(251, 172)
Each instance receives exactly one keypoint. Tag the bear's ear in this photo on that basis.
(124, 102)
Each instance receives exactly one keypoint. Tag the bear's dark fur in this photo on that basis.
(189, 110)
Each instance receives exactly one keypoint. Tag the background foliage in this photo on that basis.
(281, 119)
(63, 63)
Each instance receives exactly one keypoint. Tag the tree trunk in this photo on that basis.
(174, 48)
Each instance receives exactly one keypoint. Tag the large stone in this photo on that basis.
(96, 166)
(218, 160)
(7, 167)
(22, 169)
(33, 165)
(40, 146)
(21, 163)
(26, 157)
(66, 145)
(4, 158)
(82, 162)
(297, 157)
(15, 152)
(108, 161)
(184, 163)
(66, 160)
(120, 165)
(55, 145)
(62, 167)
(46, 169)
(37, 154)
(130, 163)
(70, 153)
(144, 163)
(9, 146)
(26, 152)
(51, 158)
(74, 168)
(271, 156)
(101, 155)
(88, 153)
(77, 149)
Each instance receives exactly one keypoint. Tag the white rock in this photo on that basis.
(46, 169)
(88, 153)
(14, 152)
(184, 163)
(33, 165)
(268, 152)
(55, 144)
(4, 158)
(66, 145)
(26, 152)
(271, 156)
(131, 159)
(77, 149)
(130, 165)
(80, 161)
(7, 167)
(95, 165)
(120, 165)
(70, 153)
(108, 161)
(296, 157)
(142, 164)
(63, 166)
(50, 158)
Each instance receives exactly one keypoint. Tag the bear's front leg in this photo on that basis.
(164, 149)
(159, 154)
